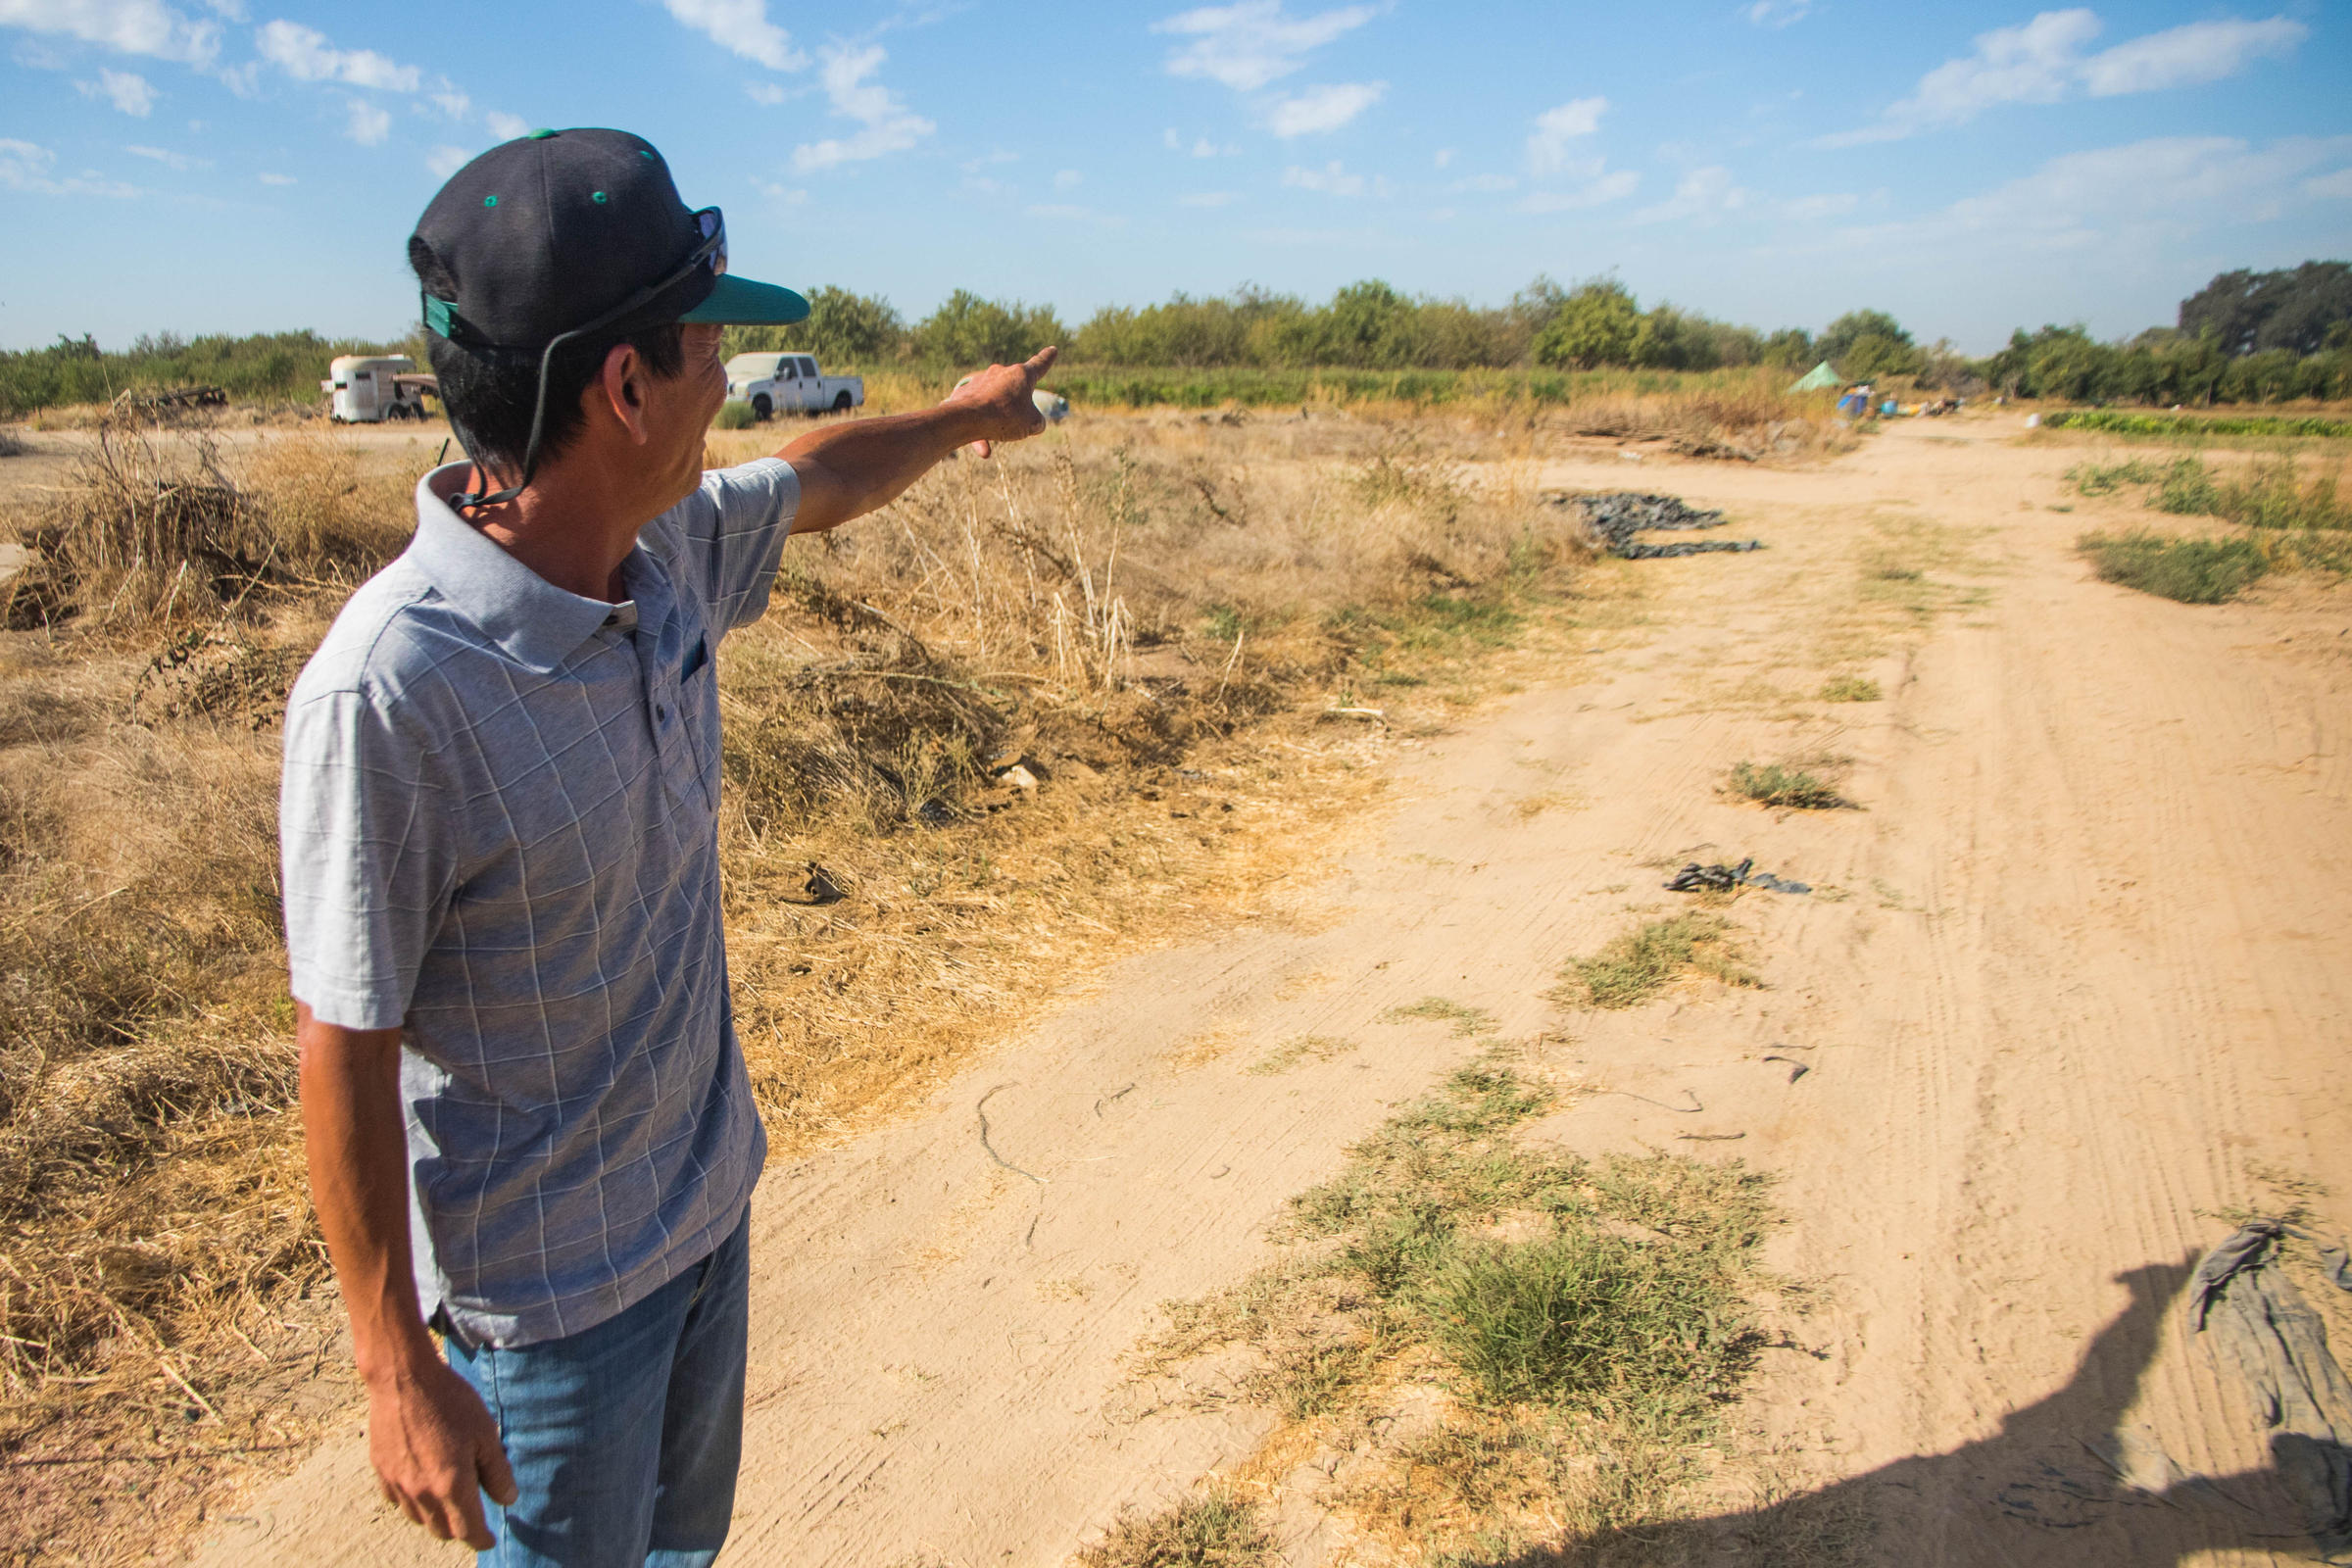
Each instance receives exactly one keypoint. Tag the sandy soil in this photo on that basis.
(2075, 980)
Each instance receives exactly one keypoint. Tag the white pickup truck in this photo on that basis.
(775, 383)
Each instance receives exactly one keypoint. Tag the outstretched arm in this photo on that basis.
(853, 467)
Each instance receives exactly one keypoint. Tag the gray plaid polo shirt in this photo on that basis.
(499, 834)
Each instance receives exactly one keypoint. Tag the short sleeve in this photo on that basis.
(730, 533)
(370, 857)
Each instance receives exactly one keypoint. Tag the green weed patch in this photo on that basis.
(2194, 571)
(2122, 422)
(1783, 785)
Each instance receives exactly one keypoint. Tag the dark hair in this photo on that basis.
(489, 392)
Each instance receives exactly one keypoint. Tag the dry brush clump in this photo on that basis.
(1041, 710)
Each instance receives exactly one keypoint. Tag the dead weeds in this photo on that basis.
(1041, 711)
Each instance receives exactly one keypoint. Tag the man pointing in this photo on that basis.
(531, 1136)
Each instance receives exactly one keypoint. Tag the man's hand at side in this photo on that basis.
(850, 469)
(434, 1447)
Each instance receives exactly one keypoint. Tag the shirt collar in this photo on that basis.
(531, 620)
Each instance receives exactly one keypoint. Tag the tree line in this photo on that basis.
(2245, 337)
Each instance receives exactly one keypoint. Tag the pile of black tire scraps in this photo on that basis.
(1719, 878)
(1615, 517)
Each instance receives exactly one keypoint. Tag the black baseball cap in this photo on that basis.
(559, 235)
(563, 232)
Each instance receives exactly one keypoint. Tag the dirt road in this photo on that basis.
(2075, 979)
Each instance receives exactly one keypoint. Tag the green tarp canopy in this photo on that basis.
(1821, 376)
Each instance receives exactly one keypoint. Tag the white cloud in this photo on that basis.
(306, 55)
(450, 102)
(2186, 56)
(1330, 179)
(2338, 184)
(1547, 145)
(1704, 194)
(368, 125)
(1206, 198)
(1777, 12)
(1812, 209)
(742, 27)
(130, 27)
(275, 179)
(126, 91)
(27, 168)
(764, 92)
(1595, 191)
(1322, 109)
(788, 195)
(1486, 182)
(885, 124)
(1068, 179)
(506, 127)
(447, 161)
(1083, 215)
(1444, 156)
(2044, 62)
(1252, 43)
(179, 162)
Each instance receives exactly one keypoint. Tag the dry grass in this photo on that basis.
(1148, 617)
(1801, 784)
(1641, 962)
(1219, 1528)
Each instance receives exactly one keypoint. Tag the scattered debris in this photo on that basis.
(1796, 1068)
(1720, 878)
(822, 889)
(981, 1111)
(934, 812)
(2264, 1328)
(1618, 515)
(1711, 1137)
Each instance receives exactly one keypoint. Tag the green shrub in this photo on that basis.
(734, 415)
(2194, 571)
(1850, 689)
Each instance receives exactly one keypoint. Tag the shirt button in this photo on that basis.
(662, 713)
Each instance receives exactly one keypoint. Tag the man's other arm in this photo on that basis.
(434, 1447)
(850, 469)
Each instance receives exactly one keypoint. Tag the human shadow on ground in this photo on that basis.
(2064, 1483)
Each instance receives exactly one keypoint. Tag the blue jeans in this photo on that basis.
(624, 1438)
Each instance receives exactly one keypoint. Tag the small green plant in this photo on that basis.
(1783, 785)
(1584, 1317)
(1850, 689)
(2120, 421)
(2105, 479)
(1466, 1020)
(2194, 571)
(1636, 966)
(733, 415)
(1220, 1528)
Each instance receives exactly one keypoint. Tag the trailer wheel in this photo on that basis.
(762, 408)
(840, 403)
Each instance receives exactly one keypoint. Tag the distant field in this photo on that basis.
(2122, 421)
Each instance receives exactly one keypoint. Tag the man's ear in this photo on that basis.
(621, 388)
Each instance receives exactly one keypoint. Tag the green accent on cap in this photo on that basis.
(645, 152)
(489, 201)
(439, 315)
(740, 302)
(598, 197)
(541, 134)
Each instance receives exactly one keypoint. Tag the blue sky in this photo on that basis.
(244, 165)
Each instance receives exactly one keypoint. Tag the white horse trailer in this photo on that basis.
(367, 388)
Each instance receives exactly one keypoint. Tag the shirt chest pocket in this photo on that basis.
(698, 718)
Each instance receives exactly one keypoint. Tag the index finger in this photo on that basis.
(1038, 364)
